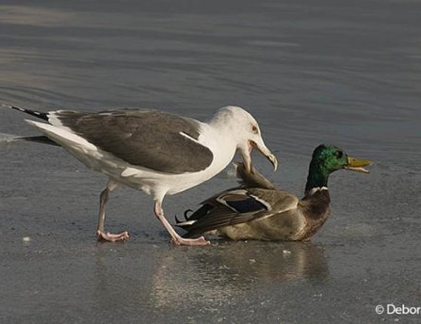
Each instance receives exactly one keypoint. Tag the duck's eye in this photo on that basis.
(254, 129)
(339, 154)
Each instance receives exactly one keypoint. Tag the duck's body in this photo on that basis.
(299, 223)
(260, 213)
(257, 210)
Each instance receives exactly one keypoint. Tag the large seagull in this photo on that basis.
(153, 151)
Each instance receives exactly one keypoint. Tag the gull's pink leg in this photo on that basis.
(175, 238)
(100, 232)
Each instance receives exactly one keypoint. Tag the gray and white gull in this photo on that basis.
(150, 150)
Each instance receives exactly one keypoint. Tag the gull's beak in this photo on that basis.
(272, 159)
(264, 150)
(357, 164)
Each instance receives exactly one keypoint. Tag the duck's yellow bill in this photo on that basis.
(357, 164)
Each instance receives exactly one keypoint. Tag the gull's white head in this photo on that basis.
(245, 130)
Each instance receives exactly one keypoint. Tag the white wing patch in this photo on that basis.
(190, 222)
(190, 138)
(264, 203)
(242, 192)
(222, 201)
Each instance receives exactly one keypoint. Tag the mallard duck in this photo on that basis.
(257, 210)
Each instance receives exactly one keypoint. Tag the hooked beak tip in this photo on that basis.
(272, 158)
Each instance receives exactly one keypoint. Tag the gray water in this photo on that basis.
(347, 73)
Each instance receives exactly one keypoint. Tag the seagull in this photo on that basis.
(150, 150)
(257, 210)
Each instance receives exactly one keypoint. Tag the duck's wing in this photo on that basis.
(241, 205)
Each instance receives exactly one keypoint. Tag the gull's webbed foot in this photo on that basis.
(182, 241)
(108, 237)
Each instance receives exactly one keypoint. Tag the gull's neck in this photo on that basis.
(225, 128)
(221, 138)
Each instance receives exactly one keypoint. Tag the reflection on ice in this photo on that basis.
(224, 273)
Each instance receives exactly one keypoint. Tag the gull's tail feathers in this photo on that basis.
(38, 114)
(9, 138)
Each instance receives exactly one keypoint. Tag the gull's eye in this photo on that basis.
(254, 129)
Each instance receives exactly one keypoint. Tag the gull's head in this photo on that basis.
(245, 130)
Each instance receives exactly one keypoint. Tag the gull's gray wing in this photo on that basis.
(152, 139)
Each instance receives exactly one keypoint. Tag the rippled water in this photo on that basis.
(344, 73)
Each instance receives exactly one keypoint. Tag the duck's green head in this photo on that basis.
(331, 158)
(327, 159)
